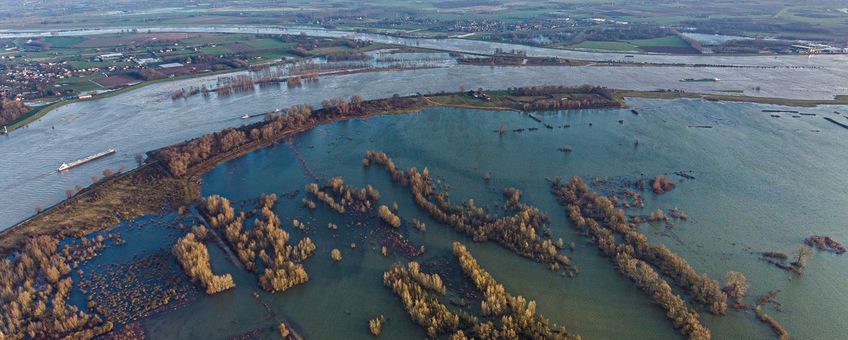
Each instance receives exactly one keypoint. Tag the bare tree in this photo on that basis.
(802, 254)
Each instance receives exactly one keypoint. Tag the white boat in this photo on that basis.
(66, 166)
(245, 117)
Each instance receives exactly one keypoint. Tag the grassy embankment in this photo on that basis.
(838, 100)
(145, 190)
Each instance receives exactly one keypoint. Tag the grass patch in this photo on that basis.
(63, 42)
(671, 43)
(838, 100)
(217, 50)
(146, 190)
(618, 46)
(672, 40)
(267, 44)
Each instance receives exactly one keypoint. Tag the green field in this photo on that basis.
(813, 15)
(631, 45)
(671, 41)
(617, 46)
(216, 51)
(267, 44)
(63, 42)
(81, 84)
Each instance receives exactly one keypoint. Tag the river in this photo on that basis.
(761, 183)
(754, 189)
(459, 45)
(146, 118)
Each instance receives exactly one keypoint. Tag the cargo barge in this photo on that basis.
(67, 166)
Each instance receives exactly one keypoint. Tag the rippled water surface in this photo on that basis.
(146, 118)
(761, 183)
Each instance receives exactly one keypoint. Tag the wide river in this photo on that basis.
(459, 45)
(146, 118)
(761, 183)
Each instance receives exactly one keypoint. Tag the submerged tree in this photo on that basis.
(737, 285)
(519, 232)
(279, 264)
(194, 258)
(802, 254)
(389, 217)
(376, 325)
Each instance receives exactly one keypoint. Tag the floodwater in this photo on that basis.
(453, 44)
(146, 118)
(761, 183)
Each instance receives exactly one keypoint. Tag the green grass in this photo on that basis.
(218, 38)
(826, 18)
(269, 55)
(217, 50)
(266, 44)
(82, 84)
(672, 41)
(98, 64)
(617, 46)
(838, 100)
(63, 42)
(631, 45)
(659, 20)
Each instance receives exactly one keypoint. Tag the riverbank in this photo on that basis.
(837, 100)
(151, 188)
(104, 204)
(37, 113)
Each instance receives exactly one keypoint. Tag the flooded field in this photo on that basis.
(747, 184)
(147, 118)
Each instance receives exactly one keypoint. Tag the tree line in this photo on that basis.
(519, 232)
(341, 197)
(504, 316)
(179, 158)
(11, 110)
(193, 256)
(34, 292)
(585, 207)
(265, 249)
(638, 260)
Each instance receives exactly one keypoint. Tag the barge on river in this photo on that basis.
(67, 166)
(701, 79)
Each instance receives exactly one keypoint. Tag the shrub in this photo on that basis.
(194, 258)
(661, 184)
(389, 217)
(376, 325)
